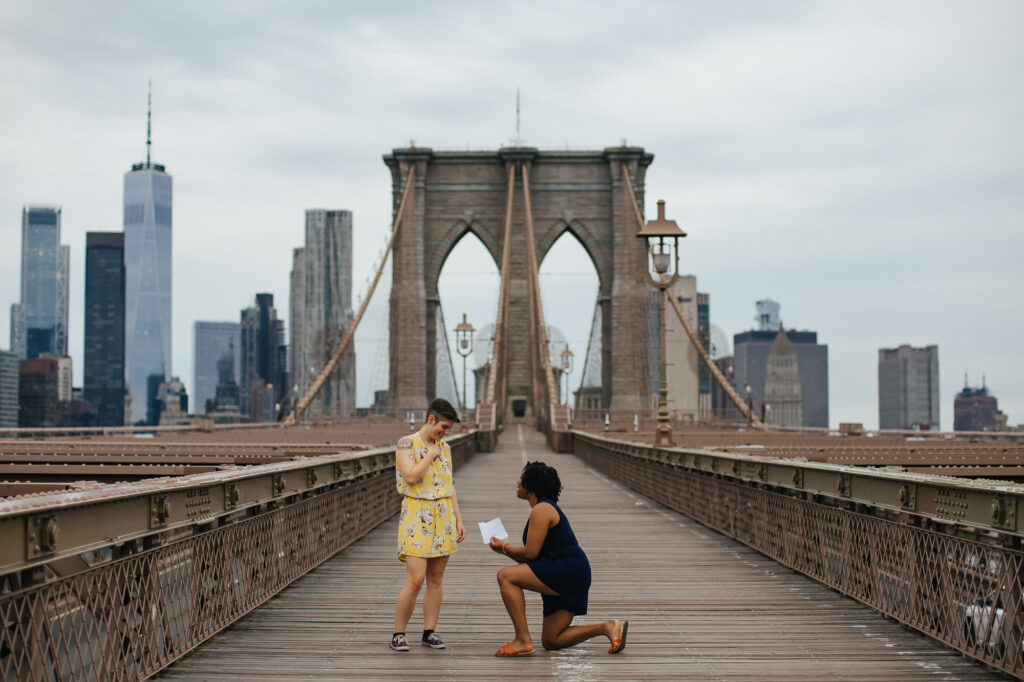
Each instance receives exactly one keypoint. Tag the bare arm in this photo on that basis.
(405, 459)
(542, 517)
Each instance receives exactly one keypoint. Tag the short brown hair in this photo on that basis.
(442, 409)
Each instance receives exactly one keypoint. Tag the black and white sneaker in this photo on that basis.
(433, 641)
(398, 642)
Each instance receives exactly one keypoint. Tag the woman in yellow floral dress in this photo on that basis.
(430, 525)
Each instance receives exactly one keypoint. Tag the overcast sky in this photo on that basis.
(861, 162)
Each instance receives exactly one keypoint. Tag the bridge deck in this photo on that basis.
(700, 606)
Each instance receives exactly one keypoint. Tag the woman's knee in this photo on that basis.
(505, 575)
(414, 582)
(549, 642)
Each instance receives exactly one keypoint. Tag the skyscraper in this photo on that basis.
(689, 389)
(326, 311)
(213, 340)
(103, 371)
(44, 391)
(296, 307)
(248, 344)
(975, 409)
(750, 365)
(39, 323)
(262, 339)
(147, 259)
(782, 399)
(908, 387)
(8, 389)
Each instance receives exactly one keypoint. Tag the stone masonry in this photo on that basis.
(456, 192)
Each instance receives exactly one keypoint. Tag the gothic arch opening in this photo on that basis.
(569, 286)
(468, 283)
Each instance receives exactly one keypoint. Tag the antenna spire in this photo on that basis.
(149, 119)
(518, 142)
(517, 113)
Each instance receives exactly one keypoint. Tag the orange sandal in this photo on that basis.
(619, 643)
(507, 650)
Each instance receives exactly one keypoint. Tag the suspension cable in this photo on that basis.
(498, 346)
(534, 270)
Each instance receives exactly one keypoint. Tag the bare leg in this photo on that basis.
(511, 581)
(558, 633)
(434, 593)
(415, 571)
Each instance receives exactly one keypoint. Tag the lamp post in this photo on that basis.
(464, 347)
(566, 369)
(662, 237)
(750, 406)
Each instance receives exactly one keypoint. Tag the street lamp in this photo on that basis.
(662, 238)
(566, 369)
(464, 347)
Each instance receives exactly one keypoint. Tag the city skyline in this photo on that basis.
(867, 157)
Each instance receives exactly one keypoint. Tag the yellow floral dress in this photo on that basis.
(426, 525)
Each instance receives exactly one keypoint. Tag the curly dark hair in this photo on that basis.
(441, 409)
(541, 480)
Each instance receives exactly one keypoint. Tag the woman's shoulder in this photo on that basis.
(544, 509)
(407, 442)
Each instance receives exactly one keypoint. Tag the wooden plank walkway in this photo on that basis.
(700, 606)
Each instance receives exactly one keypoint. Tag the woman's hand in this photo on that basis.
(497, 545)
(460, 531)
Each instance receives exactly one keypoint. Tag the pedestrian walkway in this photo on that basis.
(700, 606)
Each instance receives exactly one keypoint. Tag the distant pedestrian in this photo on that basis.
(552, 563)
(430, 525)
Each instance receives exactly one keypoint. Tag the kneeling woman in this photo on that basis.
(553, 564)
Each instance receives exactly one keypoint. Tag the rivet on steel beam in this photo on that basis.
(906, 496)
(997, 510)
(48, 534)
(231, 495)
(159, 510)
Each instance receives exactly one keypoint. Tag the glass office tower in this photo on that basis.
(104, 326)
(147, 260)
(39, 323)
(213, 341)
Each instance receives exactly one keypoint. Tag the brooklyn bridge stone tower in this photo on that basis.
(583, 192)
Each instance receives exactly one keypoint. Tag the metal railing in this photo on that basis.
(940, 555)
(117, 583)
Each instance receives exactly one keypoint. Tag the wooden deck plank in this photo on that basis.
(700, 606)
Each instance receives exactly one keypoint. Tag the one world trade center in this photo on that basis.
(147, 261)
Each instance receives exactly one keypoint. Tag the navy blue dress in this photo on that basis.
(562, 566)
